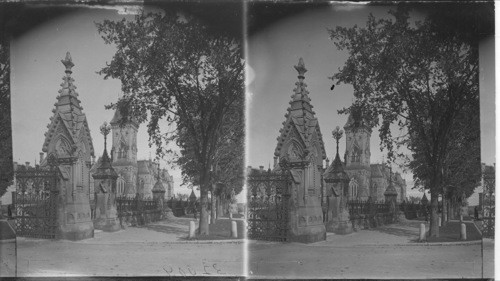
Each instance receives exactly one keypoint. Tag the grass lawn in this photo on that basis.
(451, 232)
(221, 230)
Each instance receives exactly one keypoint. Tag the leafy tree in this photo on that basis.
(178, 71)
(228, 174)
(6, 164)
(406, 75)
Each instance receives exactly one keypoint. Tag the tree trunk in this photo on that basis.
(203, 229)
(444, 214)
(450, 209)
(434, 224)
(213, 215)
(220, 209)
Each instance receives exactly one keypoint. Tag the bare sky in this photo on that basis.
(272, 53)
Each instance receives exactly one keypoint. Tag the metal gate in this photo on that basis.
(489, 202)
(268, 196)
(35, 202)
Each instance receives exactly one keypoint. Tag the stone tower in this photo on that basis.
(68, 145)
(357, 155)
(124, 150)
(301, 146)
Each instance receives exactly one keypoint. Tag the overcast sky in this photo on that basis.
(275, 49)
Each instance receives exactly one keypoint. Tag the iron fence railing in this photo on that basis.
(366, 207)
(138, 210)
(414, 210)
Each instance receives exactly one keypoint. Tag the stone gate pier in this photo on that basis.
(69, 149)
(300, 150)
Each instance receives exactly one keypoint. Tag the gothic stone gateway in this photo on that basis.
(69, 149)
(301, 150)
(268, 200)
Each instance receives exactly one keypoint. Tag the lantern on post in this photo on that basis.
(337, 182)
(105, 187)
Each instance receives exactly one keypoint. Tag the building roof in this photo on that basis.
(158, 187)
(105, 170)
(376, 170)
(145, 167)
(192, 196)
(336, 172)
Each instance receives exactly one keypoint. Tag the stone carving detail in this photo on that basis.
(63, 148)
(294, 152)
(353, 187)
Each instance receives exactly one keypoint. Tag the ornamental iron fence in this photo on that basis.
(181, 208)
(35, 202)
(268, 198)
(488, 202)
(137, 210)
(366, 207)
(414, 210)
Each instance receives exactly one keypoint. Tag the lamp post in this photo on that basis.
(338, 181)
(105, 129)
(337, 135)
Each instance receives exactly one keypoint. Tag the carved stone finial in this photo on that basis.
(68, 63)
(301, 68)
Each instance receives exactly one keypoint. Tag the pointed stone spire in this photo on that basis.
(158, 188)
(390, 191)
(424, 200)
(300, 115)
(68, 110)
(192, 197)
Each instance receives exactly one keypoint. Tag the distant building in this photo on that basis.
(134, 176)
(367, 179)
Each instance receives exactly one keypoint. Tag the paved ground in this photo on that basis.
(7, 258)
(488, 258)
(387, 252)
(162, 249)
(157, 250)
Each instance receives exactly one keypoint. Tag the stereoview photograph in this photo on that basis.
(371, 140)
(128, 140)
